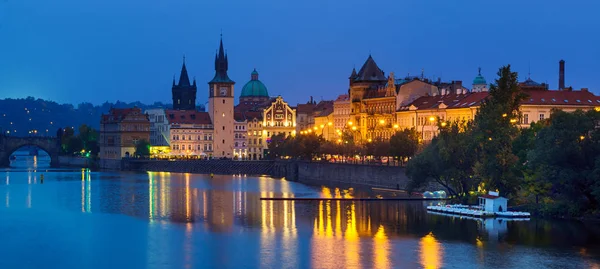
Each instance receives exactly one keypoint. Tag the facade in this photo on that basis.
(341, 111)
(305, 119)
(220, 102)
(278, 118)
(121, 130)
(159, 127)
(184, 93)
(191, 133)
(324, 124)
(375, 99)
(240, 148)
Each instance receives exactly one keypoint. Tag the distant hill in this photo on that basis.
(20, 116)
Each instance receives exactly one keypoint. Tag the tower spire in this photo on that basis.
(184, 79)
(221, 64)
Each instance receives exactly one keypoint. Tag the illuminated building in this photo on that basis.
(159, 127)
(375, 98)
(121, 130)
(191, 133)
(341, 111)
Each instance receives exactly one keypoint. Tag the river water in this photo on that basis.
(82, 219)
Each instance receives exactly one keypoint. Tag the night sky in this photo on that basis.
(106, 50)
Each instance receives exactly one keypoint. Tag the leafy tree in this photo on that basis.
(448, 161)
(276, 146)
(404, 144)
(378, 148)
(494, 131)
(567, 156)
(142, 148)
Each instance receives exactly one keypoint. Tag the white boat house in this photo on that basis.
(493, 202)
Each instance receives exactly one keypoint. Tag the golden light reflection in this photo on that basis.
(431, 252)
(150, 196)
(381, 249)
(188, 209)
(352, 239)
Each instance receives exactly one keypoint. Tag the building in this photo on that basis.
(191, 133)
(479, 83)
(305, 119)
(423, 113)
(375, 98)
(324, 123)
(159, 133)
(159, 127)
(220, 102)
(493, 202)
(240, 148)
(341, 111)
(184, 93)
(121, 130)
(254, 92)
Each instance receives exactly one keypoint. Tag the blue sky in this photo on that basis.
(95, 51)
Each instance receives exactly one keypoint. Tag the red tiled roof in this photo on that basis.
(326, 112)
(342, 98)
(119, 114)
(305, 108)
(487, 196)
(187, 117)
(557, 97)
(452, 100)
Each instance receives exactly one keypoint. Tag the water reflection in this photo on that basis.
(196, 220)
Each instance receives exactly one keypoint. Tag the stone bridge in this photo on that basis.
(9, 144)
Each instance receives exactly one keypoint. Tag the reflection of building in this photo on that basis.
(191, 133)
(121, 130)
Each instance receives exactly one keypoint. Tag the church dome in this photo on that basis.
(254, 87)
(479, 79)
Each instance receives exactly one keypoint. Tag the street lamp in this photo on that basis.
(431, 119)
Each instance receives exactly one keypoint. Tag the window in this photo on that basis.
(525, 118)
(223, 101)
(236, 144)
(178, 101)
(223, 128)
(223, 141)
(542, 116)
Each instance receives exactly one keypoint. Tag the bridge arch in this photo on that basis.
(10, 144)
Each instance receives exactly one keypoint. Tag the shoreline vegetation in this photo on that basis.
(551, 168)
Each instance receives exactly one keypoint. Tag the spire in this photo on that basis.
(254, 75)
(173, 79)
(184, 79)
(479, 70)
(221, 65)
(353, 75)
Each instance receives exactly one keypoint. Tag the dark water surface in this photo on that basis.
(82, 219)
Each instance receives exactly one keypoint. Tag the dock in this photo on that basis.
(476, 212)
(348, 199)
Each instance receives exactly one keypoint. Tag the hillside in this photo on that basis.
(41, 117)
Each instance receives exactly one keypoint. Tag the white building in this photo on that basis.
(159, 127)
(191, 133)
(492, 202)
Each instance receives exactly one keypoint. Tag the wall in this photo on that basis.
(358, 175)
(75, 162)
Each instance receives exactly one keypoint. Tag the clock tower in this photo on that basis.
(220, 102)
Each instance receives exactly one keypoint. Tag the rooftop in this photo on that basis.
(187, 117)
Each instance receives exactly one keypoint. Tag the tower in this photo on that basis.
(479, 83)
(184, 93)
(220, 101)
(561, 74)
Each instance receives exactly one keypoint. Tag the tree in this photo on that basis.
(142, 148)
(447, 160)
(494, 132)
(276, 146)
(404, 144)
(378, 148)
(566, 155)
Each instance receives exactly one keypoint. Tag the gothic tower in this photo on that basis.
(184, 93)
(220, 101)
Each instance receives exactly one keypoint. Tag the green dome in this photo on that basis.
(479, 80)
(254, 87)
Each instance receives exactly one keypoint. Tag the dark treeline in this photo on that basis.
(37, 115)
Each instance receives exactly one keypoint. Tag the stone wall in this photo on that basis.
(67, 161)
(110, 164)
(350, 174)
(223, 167)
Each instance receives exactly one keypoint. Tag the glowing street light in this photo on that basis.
(396, 126)
(582, 137)
(322, 126)
(431, 118)
(329, 123)
(444, 124)
(369, 140)
(350, 123)
(382, 122)
(353, 128)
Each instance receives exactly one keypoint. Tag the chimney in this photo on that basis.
(561, 74)
(585, 90)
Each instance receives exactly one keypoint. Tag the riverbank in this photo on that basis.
(311, 173)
